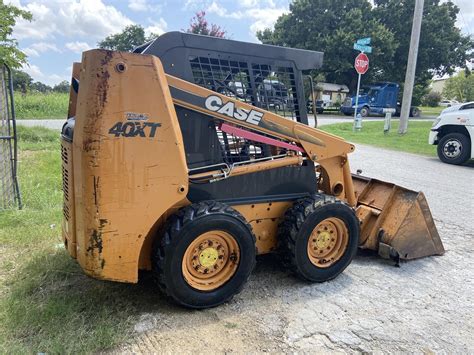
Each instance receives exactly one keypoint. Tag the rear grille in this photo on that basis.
(64, 156)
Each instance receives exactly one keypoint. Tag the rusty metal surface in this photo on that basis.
(121, 185)
(395, 221)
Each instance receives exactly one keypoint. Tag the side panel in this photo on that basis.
(129, 162)
(264, 219)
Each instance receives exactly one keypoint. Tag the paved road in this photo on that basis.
(424, 306)
(322, 121)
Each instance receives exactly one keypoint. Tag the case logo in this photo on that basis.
(214, 103)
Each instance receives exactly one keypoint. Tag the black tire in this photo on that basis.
(180, 231)
(454, 148)
(414, 112)
(364, 111)
(300, 221)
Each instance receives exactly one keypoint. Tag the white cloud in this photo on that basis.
(30, 52)
(40, 47)
(33, 70)
(77, 46)
(263, 17)
(87, 18)
(465, 18)
(156, 27)
(194, 5)
(143, 5)
(219, 10)
(37, 75)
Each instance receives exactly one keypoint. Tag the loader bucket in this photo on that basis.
(395, 222)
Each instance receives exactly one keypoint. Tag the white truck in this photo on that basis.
(453, 133)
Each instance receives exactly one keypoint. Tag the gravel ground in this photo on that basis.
(424, 306)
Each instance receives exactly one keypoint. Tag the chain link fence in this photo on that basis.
(9, 190)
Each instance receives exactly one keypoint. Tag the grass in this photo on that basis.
(47, 304)
(431, 111)
(41, 106)
(415, 141)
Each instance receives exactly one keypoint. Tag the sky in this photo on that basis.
(62, 29)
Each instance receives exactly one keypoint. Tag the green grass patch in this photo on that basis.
(47, 304)
(431, 111)
(415, 141)
(41, 105)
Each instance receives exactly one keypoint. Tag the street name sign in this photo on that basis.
(362, 48)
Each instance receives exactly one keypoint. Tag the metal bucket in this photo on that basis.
(395, 222)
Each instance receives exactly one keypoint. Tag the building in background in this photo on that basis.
(331, 93)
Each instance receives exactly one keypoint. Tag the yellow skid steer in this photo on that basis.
(192, 154)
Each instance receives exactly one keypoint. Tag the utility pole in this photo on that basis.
(411, 67)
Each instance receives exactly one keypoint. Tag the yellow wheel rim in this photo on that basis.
(210, 260)
(328, 242)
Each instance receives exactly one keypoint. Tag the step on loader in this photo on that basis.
(191, 155)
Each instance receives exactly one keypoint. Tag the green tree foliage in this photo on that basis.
(21, 80)
(132, 36)
(63, 86)
(40, 87)
(460, 87)
(432, 99)
(200, 26)
(9, 52)
(332, 26)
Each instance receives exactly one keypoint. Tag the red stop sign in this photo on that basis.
(361, 63)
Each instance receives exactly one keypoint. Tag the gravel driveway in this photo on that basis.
(424, 306)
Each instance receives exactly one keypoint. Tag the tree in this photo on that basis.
(9, 52)
(332, 26)
(442, 45)
(200, 26)
(132, 36)
(21, 80)
(63, 86)
(432, 99)
(40, 87)
(460, 87)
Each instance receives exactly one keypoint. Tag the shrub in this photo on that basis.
(432, 99)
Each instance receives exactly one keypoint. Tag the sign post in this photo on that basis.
(361, 65)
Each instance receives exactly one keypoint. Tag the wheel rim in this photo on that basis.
(452, 149)
(210, 260)
(328, 242)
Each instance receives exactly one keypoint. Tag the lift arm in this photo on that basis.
(325, 149)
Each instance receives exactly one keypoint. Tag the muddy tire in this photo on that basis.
(204, 256)
(454, 148)
(319, 237)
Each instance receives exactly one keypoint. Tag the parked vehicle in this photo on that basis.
(448, 103)
(323, 105)
(453, 133)
(374, 98)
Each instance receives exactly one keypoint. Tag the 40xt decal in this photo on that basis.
(134, 129)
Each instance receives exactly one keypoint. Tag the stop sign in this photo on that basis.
(361, 63)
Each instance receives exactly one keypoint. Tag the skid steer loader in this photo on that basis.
(192, 155)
